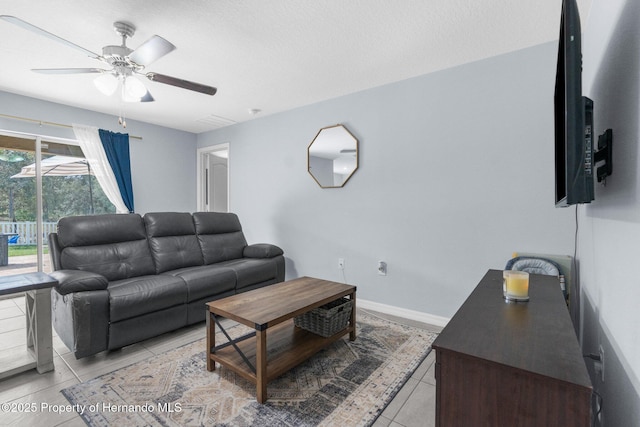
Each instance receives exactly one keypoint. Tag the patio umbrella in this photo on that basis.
(60, 166)
(57, 166)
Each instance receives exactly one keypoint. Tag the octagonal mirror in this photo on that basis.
(332, 156)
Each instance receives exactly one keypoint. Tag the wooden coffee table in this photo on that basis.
(272, 309)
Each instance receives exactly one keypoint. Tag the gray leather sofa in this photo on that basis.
(124, 278)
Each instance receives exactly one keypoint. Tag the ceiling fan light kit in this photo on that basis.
(106, 84)
(125, 63)
(133, 88)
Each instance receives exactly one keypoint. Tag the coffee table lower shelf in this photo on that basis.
(287, 347)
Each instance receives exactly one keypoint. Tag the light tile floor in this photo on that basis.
(413, 406)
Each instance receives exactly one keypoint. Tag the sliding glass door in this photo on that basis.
(18, 199)
(41, 180)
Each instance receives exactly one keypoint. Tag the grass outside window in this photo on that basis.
(20, 250)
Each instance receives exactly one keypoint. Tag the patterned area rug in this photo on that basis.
(347, 384)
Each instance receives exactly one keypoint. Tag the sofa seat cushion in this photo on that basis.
(141, 295)
(250, 271)
(206, 281)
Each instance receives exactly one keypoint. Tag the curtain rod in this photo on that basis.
(42, 122)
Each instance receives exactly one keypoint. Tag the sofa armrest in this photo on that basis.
(78, 281)
(262, 250)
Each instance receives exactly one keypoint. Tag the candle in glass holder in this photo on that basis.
(516, 285)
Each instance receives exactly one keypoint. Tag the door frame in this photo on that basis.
(201, 175)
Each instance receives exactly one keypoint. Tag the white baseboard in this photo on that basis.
(403, 312)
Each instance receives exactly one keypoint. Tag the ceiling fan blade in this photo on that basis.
(68, 70)
(197, 87)
(151, 50)
(19, 22)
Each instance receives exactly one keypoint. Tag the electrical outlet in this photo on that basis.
(341, 263)
(382, 268)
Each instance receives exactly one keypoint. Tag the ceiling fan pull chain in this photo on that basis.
(122, 120)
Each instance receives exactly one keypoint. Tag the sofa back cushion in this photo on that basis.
(112, 245)
(172, 240)
(220, 236)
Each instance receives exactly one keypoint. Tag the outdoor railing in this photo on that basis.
(27, 231)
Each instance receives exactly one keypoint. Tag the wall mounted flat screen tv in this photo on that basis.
(573, 117)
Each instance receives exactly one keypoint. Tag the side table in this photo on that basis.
(39, 351)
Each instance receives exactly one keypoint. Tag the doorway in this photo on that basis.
(213, 178)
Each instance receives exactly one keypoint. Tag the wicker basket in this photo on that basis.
(327, 319)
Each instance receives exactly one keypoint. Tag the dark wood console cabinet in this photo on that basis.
(511, 364)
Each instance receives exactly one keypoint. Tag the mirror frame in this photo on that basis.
(357, 154)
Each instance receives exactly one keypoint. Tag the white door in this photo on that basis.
(213, 178)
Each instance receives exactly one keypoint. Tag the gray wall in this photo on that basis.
(163, 162)
(610, 226)
(456, 173)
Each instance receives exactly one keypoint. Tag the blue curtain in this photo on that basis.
(116, 147)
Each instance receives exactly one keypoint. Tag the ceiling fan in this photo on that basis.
(125, 63)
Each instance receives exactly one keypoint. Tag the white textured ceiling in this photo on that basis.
(271, 55)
